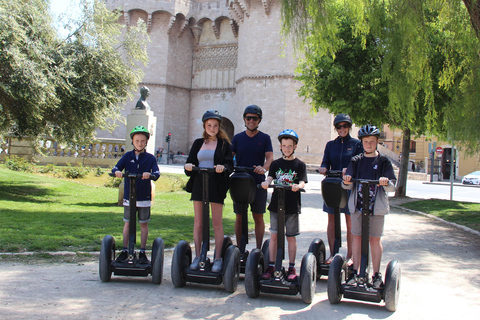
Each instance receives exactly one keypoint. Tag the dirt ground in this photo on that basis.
(440, 280)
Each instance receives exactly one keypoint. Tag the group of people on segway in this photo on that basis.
(357, 159)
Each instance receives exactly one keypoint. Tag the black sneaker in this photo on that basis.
(142, 258)
(352, 279)
(377, 281)
(122, 257)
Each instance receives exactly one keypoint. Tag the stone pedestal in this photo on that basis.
(142, 117)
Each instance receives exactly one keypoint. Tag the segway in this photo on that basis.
(278, 284)
(364, 290)
(182, 256)
(335, 197)
(131, 266)
(242, 191)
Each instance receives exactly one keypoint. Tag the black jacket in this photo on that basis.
(223, 155)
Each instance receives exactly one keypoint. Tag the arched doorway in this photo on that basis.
(228, 127)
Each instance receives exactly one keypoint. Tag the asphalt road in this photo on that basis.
(440, 280)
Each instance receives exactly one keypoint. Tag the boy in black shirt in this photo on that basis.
(291, 171)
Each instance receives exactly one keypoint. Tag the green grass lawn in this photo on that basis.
(463, 213)
(41, 212)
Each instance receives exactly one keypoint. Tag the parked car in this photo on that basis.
(472, 178)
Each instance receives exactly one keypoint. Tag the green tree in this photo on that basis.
(427, 59)
(65, 88)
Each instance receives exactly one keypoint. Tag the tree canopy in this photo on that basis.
(411, 64)
(411, 53)
(65, 88)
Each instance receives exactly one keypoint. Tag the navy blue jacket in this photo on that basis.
(146, 163)
(338, 152)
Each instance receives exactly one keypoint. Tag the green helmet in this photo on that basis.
(140, 129)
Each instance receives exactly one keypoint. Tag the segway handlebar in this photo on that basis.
(132, 175)
(204, 169)
(280, 186)
(365, 181)
(243, 169)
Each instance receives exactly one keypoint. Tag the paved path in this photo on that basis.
(440, 280)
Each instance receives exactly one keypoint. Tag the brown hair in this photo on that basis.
(220, 135)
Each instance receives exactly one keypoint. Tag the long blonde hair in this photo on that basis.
(220, 135)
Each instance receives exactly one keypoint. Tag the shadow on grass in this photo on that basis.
(96, 204)
(22, 192)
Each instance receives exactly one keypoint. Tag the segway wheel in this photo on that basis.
(107, 253)
(182, 257)
(308, 277)
(336, 274)
(265, 251)
(392, 285)
(157, 260)
(227, 242)
(253, 271)
(232, 269)
(317, 247)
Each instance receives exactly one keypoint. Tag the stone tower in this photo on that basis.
(222, 55)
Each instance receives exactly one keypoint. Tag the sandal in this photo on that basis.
(350, 262)
(329, 260)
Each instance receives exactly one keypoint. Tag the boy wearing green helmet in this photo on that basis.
(137, 161)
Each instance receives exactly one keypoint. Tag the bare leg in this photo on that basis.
(143, 235)
(357, 251)
(126, 228)
(259, 228)
(292, 249)
(331, 235)
(197, 226)
(348, 222)
(272, 249)
(217, 211)
(377, 251)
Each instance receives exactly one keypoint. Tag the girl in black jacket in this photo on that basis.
(212, 151)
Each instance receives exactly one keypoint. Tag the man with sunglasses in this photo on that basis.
(253, 148)
(337, 156)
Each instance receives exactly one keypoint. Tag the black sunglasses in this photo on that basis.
(340, 126)
(252, 118)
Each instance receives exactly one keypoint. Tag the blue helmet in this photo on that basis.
(288, 133)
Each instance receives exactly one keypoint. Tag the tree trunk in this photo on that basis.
(403, 173)
(473, 8)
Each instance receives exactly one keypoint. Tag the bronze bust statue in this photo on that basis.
(142, 102)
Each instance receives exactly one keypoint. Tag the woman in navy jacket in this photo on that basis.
(337, 156)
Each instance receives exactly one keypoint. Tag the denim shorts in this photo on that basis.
(291, 224)
(143, 214)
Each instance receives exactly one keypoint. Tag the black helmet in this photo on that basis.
(342, 117)
(288, 133)
(254, 109)
(211, 114)
(368, 130)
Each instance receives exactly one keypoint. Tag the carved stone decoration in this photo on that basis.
(245, 6)
(238, 10)
(126, 17)
(220, 58)
(266, 6)
(234, 26)
(216, 29)
(170, 24)
(197, 31)
(184, 26)
(149, 22)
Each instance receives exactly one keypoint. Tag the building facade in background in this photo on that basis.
(222, 55)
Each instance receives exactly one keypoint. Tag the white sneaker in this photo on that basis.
(217, 265)
(195, 263)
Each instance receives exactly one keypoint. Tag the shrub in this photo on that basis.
(77, 172)
(48, 168)
(98, 171)
(19, 164)
(113, 182)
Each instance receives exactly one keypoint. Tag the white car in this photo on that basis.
(472, 178)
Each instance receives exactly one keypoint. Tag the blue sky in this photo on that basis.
(58, 7)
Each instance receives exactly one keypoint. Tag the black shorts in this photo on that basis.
(258, 205)
(213, 189)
